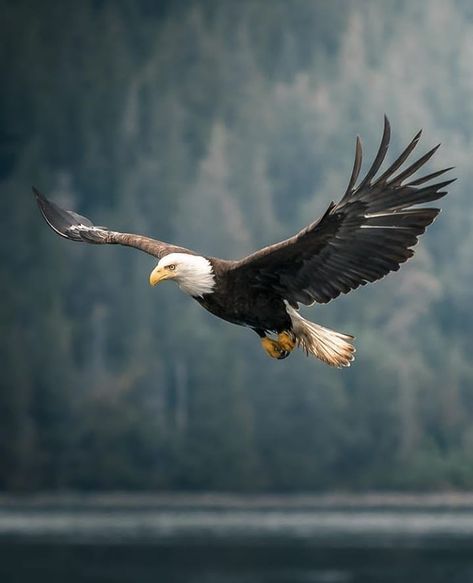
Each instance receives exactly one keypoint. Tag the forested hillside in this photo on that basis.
(224, 126)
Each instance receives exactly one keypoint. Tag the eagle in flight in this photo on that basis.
(367, 234)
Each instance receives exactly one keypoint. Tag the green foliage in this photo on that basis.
(224, 126)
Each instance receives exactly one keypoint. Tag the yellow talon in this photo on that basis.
(273, 348)
(287, 341)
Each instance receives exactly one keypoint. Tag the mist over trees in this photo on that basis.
(224, 126)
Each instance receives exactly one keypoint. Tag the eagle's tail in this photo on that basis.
(332, 347)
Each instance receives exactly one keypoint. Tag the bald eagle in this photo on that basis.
(369, 233)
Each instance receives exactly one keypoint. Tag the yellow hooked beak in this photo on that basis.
(158, 275)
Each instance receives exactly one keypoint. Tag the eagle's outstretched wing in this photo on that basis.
(74, 227)
(369, 233)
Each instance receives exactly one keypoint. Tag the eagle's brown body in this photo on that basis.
(256, 307)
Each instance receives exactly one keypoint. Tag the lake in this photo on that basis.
(212, 538)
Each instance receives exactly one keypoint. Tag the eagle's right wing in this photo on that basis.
(369, 233)
(74, 227)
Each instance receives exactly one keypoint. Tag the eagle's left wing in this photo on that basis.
(74, 227)
(369, 233)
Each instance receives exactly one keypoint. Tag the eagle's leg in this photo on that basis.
(271, 347)
(287, 340)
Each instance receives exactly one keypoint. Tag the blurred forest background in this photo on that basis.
(223, 126)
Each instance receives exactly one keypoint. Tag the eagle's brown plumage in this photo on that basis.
(369, 233)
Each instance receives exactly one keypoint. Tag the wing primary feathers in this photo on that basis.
(380, 156)
(401, 199)
(356, 170)
(413, 167)
(61, 221)
(400, 160)
(428, 177)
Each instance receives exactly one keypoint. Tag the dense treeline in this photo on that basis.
(223, 126)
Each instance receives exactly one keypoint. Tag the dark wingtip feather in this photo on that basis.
(356, 169)
(380, 156)
(40, 198)
(445, 183)
(401, 159)
(431, 176)
(412, 169)
(57, 218)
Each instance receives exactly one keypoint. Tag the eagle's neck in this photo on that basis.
(195, 275)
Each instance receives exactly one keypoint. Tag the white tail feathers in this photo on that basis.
(332, 347)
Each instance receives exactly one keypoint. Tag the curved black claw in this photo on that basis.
(284, 354)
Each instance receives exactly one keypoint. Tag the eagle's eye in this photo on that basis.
(171, 267)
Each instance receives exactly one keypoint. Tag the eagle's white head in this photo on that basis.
(192, 273)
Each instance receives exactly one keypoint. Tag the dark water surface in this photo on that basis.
(225, 539)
